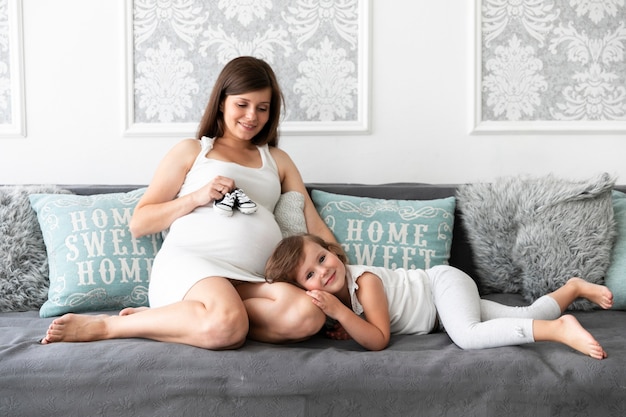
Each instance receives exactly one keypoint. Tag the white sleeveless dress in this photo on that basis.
(205, 243)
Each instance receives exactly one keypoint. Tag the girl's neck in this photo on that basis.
(344, 295)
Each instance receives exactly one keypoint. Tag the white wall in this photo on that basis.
(420, 108)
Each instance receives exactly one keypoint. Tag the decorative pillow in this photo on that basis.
(94, 262)
(23, 260)
(289, 213)
(389, 233)
(530, 235)
(616, 274)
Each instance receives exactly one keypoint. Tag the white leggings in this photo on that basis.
(474, 323)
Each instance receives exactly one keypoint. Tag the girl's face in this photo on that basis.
(246, 114)
(320, 269)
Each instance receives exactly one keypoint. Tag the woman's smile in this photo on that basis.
(248, 126)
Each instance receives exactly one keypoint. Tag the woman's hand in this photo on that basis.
(214, 190)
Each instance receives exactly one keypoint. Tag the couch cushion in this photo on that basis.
(616, 274)
(289, 213)
(94, 262)
(389, 233)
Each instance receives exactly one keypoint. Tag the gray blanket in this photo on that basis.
(416, 375)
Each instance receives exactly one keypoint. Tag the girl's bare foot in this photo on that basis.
(570, 332)
(76, 328)
(132, 310)
(595, 293)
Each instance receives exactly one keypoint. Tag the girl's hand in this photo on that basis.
(327, 302)
(338, 333)
(214, 190)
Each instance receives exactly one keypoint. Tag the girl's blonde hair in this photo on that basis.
(284, 261)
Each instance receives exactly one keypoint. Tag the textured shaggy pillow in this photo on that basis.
(23, 258)
(530, 235)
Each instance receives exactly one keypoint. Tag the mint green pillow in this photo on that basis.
(616, 274)
(94, 262)
(410, 234)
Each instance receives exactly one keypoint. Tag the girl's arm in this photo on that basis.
(373, 333)
(291, 180)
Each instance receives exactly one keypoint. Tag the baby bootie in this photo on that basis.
(226, 204)
(244, 204)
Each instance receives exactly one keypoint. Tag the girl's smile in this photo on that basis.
(329, 280)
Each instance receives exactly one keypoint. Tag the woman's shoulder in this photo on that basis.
(278, 154)
(186, 147)
(287, 170)
(190, 143)
(183, 152)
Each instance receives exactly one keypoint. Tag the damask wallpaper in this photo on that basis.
(5, 75)
(11, 76)
(552, 60)
(318, 49)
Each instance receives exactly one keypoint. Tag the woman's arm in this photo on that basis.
(373, 333)
(291, 180)
(159, 207)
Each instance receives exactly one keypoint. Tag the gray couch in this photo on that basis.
(415, 375)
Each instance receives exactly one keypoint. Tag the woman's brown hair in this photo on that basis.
(243, 75)
(282, 264)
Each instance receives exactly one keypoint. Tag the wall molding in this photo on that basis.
(546, 36)
(15, 124)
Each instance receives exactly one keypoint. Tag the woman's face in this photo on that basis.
(246, 114)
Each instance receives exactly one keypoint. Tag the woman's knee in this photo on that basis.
(222, 320)
(298, 318)
(226, 328)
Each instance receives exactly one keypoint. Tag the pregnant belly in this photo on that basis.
(243, 240)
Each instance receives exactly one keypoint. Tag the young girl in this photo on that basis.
(413, 301)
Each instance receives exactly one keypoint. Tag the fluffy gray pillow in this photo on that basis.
(530, 235)
(23, 258)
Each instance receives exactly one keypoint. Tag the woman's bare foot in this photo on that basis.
(76, 328)
(595, 293)
(570, 332)
(132, 310)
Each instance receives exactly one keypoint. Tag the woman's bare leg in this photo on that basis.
(567, 330)
(579, 288)
(280, 312)
(132, 310)
(211, 316)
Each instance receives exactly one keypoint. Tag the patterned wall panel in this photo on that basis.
(318, 48)
(554, 64)
(12, 118)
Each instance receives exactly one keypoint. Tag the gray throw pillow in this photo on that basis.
(289, 213)
(530, 235)
(23, 257)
